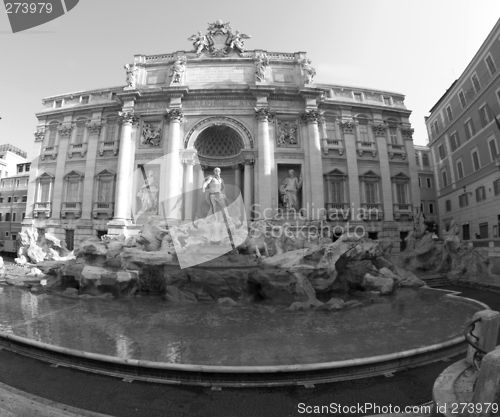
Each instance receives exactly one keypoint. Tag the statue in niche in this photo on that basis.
(151, 134)
(235, 41)
(260, 68)
(178, 70)
(148, 194)
(289, 189)
(200, 42)
(287, 134)
(131, 75)
(309, 72)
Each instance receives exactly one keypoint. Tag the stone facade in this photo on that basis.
(465, 146)
(105, 157)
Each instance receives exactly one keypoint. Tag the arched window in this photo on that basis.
(425, 160)
(416, 159)
(80, 131)
(104, 196)
(363, 120)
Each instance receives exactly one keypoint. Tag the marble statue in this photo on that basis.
(148, 194)
(309, 72)
(289, 189)
(214, 184)
(151, 135)
(260, 68)
(131, 75)
(178, 70)
(200, 42)
(236, 41)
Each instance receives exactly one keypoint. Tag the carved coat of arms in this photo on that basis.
(219, 40)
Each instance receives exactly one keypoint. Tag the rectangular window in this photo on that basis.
(28, 166)
(17, 183)
(80, 131)
(445, 179)
(20, 168)
(463, 201)
(496, 186)
(469, 129)
(393, 134)
(1, 217)
(23, 216)
(1, 199)
(13, 236)
(13, 217)
(85, 99)
(475, 81)
(441, 151)
(7, 219)
(429, 183)
(483, 231)
(420, 182)
(454, 141)
(25, 198)
(463, 102)
(480, 193)
(52, 135)
(425, 160)
(460, 170)
(493, 149)
(448, 205)
(331, 133)
(475, 160)
(15, 199)
(6, 233)
(449, 113)
(401, 193)
(431, 208)
(9, 199)
(485, 115)
(44, 192)
(491, 64)
(357, 96)
(370, 192)
(363, 133)
(336, 192)
(58, 104)
(387, 101)
(436, 127)
(110, 131)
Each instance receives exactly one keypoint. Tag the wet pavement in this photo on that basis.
(111, 396)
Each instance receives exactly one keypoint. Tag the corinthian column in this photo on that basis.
(189, 159)
(265, 159)
(173, 201)
(125, 168)
(317, 209)
(247, 188)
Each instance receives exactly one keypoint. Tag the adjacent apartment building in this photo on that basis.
(13, 198)
(427, 187)
(465, 143)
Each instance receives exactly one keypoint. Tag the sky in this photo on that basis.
(414, 47)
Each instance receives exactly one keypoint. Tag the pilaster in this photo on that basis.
(380, 132)
(93, 132)
(34, 173)
(173, 201)
(347, 128)
(410, 150)
(263, 114)
(64, 136)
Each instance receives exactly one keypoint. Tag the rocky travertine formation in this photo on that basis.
(35, 248)
(147, 263)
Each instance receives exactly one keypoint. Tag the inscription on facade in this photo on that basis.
(156, 77)
(219, 103)
(151, 105)
(219, 75)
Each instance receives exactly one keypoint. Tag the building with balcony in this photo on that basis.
(10, 156)
(465, 143)
(13, 198)
(107, 157)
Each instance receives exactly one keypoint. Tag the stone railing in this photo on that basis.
(44, 208)
(71, 208)
(396, 149)
(403, 209)
(332, 144)
(363, 146)
(103, 208)
(371, 211)
(49, 151)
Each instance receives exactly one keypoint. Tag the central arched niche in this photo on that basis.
(218, 141)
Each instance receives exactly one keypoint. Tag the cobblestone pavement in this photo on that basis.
(111, 396)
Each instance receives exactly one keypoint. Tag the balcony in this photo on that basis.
(109, 146)
(333, 144)
(49, 151)
(371, 211)
(337, 211)
(396, 149)
(71, 208)
(103, 208)
(404, 210)
(363, 147)
(42, 208)
(80, 148)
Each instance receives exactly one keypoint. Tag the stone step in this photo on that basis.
(436, 281)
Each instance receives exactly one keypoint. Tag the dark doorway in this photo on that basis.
(373, 235)
(70, 239)
(101, 233)
(466, 231)
(483, 230)
(402, 236)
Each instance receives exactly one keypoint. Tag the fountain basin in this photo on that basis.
(246, 344)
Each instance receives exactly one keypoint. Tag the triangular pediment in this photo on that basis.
(74, 174)
(46, 175)
(370, 174)
(336, 172)
(401, 176)
(106, 173)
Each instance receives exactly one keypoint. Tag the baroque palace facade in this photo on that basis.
(106, 157)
